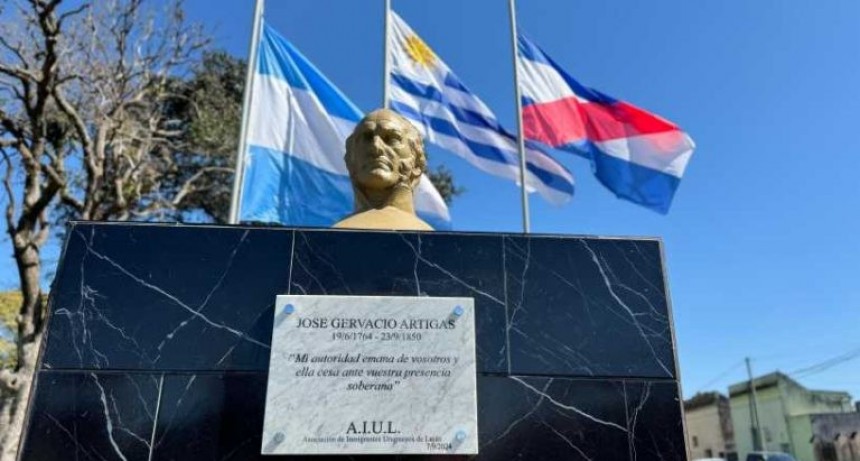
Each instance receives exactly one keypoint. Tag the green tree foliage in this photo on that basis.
(207, 111)
(443, 179)
(10, 302)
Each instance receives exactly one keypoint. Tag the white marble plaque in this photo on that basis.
(372, 375)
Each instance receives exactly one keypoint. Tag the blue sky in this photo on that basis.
(761, 242)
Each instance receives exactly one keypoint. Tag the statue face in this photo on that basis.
(381, 152)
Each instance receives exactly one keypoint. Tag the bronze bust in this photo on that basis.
(385, 158)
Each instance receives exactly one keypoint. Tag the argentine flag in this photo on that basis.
(425, 90)
(298, 123)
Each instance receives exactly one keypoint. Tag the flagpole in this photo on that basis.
(520, 137)
(387, 57)
(239, 174)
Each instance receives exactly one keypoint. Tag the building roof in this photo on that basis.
(703, 399)
(762, 382)
(774, 378)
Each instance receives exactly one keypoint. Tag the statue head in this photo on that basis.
(385, 159)
(385, 152)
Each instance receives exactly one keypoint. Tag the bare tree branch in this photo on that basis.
(71, 13)
(17, 50)
(80, 125)
(188, 185)
(10, 193)
(84, 128)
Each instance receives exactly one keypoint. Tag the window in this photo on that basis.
(695, 441)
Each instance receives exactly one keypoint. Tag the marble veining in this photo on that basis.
(93, 416)
(158, 338)
(117, 312)
(606, 272)
(584, 304)
(220, 416)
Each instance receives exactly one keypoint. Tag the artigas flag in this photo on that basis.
(426, 91)
(639, 156)
(294, 169)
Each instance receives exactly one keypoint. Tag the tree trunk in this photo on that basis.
(30, 316)
(15, 384)
(13, 407)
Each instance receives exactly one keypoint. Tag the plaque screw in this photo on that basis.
(461, 435)
(458, 311)
(276, 440)
(289, 309)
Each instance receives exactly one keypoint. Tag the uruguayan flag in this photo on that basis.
(425, 90)
(294, 169)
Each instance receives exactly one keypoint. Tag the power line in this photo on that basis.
(720, 376)
(804, 372)
(825, 364)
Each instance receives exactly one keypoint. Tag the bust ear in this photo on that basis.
(416, 176)
(417, 170)
(416, 144)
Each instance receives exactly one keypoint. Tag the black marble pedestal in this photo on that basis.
(157, 345)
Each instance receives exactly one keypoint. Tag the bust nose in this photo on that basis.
(378, 144)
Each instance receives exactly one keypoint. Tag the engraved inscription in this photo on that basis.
(372, 375)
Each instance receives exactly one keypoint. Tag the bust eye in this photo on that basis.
(392, 140)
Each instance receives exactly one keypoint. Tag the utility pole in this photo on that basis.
(758, 441)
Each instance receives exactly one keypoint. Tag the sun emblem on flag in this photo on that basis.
(419, 51)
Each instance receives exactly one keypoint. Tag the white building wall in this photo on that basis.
(775, 433)
(703, 432)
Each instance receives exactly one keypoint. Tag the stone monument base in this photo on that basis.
(158, 338)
